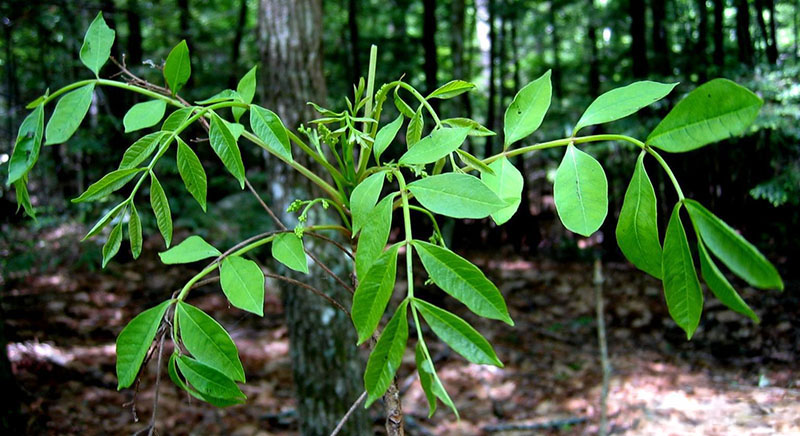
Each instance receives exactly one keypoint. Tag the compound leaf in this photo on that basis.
(192, 173)
(190, 250)
(387, 355)
(526, 112)
(681, 287)
(134, 341)
(621, 102)
(143, 115)
(208, 341)
(288, 249)
(68, 115)
(178, 67)
(456, 195)
(242, 282)
(373, 294)
(581, 192)
(97, 43)
(637, 228)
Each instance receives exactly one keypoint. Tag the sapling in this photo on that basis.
(433, 177)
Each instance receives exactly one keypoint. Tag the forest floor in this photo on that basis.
(733, 378)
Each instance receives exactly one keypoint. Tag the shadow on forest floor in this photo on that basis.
(733, 378)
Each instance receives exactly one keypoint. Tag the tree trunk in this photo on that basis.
(490, 111)
(636, 9)
(431, 66)
(133, 46)
(743, 32)
(701, 48)
(236, 45)
(352, 26)
(457, 15)
(719, 41)
(593, 80)
(326, 366)
(556, 44)
(768, 33)
(661, 49)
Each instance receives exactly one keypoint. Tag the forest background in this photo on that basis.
(591, 46)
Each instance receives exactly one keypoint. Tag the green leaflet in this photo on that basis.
(208, 341)
(401, 105)
(173, 374)
(160, 206)
(242, 282)
(507, 183)
(224, 144)
(102, 222)
(210, 382)
(459, 335)
(451, 89)
(178, 68)
(621, 102)
(387, 355)
(733, 250)
(712, 112)
(474, 162)
(134, 341)
(385, 136)
(476, 129)
(288, 249)
(581, 192)
(68, 115)
(270, 129)
(143, 115)
(246, 90)
(720, 286)
(364, 197)
(190, 250)
(176, 118)
(373, 293)
(431, 385)
(27, 146)
(224, 95)
(526, 112)
(681, 287)
(111, 247)
(192, 173)
(637, 228)
(374, 235)
(135, 232)
(463, 281)
(140, 150)
(414, 129)
(456, 195)
(23, 198)
(108, 184)
(440, 143)
(97, 44)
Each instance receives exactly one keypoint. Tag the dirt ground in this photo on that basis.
(733, 378)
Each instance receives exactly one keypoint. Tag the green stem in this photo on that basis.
(422, 100)
(407, 227)
(337, 176)
(432, 218)
(667, 170)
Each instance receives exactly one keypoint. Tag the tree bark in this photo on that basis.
(660, 38)
(457, 18)
(640, 67)
(719, 40)
(326, 366)
(768, 33)
(743, 32)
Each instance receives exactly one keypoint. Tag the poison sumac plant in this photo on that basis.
(364, 189)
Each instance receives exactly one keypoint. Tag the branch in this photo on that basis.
(310, 288)
(347, 415)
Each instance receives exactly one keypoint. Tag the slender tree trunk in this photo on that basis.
(11, 79)
(515, 54)
(556, 47)
(502, 62)
(719, 41)
(133, 46)
(636, 9)
(326, 366)
(660, 38)
(457, 15)
(429, 45)
(701, 50)
(352, 26)
(491, 101)
(743, 32)
(769, 37)
(236, 45)
(593, 80)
